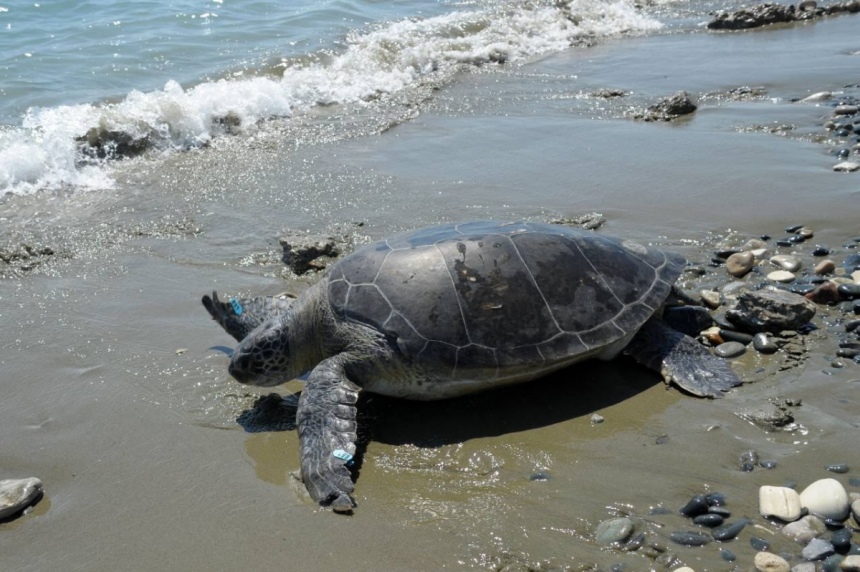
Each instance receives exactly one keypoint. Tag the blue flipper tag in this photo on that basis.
(342, 455)
(237, 307)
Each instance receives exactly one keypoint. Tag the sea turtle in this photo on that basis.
(455, 309)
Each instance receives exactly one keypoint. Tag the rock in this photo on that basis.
(613, 530)
(769, 562)
(851, 563)
(596, 419)
(805, 232)
(855, 509)
(713, 336)
(683, 569)
(841, 540)
(849, 291)
(781, 502)
(821, 251)
(826, 498)
(740, 263)
(695, 506)
(688, 319)
(715, 499)
(803, 567)
(764, 344)
(308, 253)
(826, 293)
(734, 336)
(805, 529)
(845, 110)
(768, 415)
(730, 349)
(689, 538)
(710, 520)
(817, 549)
(18, 494)
(729, 531)
(710, 298)
(816, 97)
(846, 167)
(771, 311)
(840, 468)
(781, 276)
(786, 262)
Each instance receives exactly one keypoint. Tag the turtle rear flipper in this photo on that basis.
(681, 360)
(327, 434)
(239, 317)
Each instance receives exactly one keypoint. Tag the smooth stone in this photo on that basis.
(786, 262)
(783, 276)
(740, 263)
(729, 531)
(821, 251)
(855, 276)
(764, 344)
(730, 349)
(597, 418)
(846, 167)
(852, 325)
(849, 291)
(826, 498)
(817, 549)
(713, 336)
(683, 569)
(754, 244)
(771, 311)
(715, 499)
(759, 543)
(855, 509)
(613, 530)
(825, 267)
(538, 477)
(710, 298)
(840, 468)
(793, 228)
(768, 464)
(720, 510)
(710, 520)
(727, 555)
(851, 563)
(845, 110)
(805, 529)
(802, 289)
(781, 502)
(826, 293)
(17, 494)
(768, 562)
(689, 538)
(851, 262)
(733, 336)
(695, 506)
(841, 540)
(806, 232)
(816, 97)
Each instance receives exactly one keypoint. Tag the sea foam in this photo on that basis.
(73, 145)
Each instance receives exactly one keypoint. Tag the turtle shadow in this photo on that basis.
(567, 394)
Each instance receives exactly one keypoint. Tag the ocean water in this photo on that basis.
(173, 75)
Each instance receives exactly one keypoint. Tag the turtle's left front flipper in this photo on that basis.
(327, 434)
(681, 360)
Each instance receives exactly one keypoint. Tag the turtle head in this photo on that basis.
(263, 356)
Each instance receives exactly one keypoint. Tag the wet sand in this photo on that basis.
(115, 400)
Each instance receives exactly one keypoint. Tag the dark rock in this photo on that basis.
(720, 510)
(107, 144)
(727, 555)
(771, 311)
(303, 254)
(851, 263)
(734, 336)
(768, 13)
(759, 543)
(540, 477)
(715, 499)
(817, 549)
(695, 506)
(794, 228)
(670, 108)
(710, 520)
(764, 344)
(688, 319)
(841, 540)
(769, 415)
(849, 291)
(827, 293)
(840, 468)
(690, 538)
(729, 531)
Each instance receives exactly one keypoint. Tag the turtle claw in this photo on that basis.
(343, 504)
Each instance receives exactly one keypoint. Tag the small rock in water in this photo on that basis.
(846, 167)
(730, 349)
(786, 262)
(781, 502)
(841, 540)
(818, 549)
(715, 499)
(805, 232)
(768, 562)
(695, 506)
(768, 464)
(710, 298)
(690, 538)
(783, 276)
(805, 529)
(771, 311)
(826, 293)
(710, 520)
(840, 468)
(613, 530)
(18, 494)
(729, 531)
(821, 251)
(849, 291)
(851, 563)
(540, 477)
(759, 543)
(740, 263)
(720, 510)
(826, 498)
(764, 343)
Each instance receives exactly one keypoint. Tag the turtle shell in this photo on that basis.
(489, 295)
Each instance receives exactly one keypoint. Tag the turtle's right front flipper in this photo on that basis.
(240, 317)
(327, 434)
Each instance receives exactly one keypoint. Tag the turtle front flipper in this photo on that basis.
(681, 360)
(239, 317)
(327, 434)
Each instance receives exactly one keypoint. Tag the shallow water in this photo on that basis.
(115, 399)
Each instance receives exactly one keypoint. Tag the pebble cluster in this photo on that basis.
(821, 521)
(779, 285)
(842, 127)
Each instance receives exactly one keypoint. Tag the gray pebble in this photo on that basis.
(613, 530)
(764, 344)
(805, 529)
(759, 543)
(771, 310)
(720, 510)
(849, 291)
(740, 263)
(710, 520)
(817, 549)
(832, 564)
(18, 494)
(729, 531)
(710, 298)
(695, 506)
(715, 499)
(768, 464)
(841, 540)
(730, 349)
(540, 477)
(786, 262)
(804, 567)
(733, 336)
(690, 538)
(840, 468)
(727, 555)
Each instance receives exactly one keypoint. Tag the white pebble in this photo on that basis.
(780, 276)
(683, 569)
(781, 502)
(17, 494)
(826, 498)
(846, 166)
(805, 529)
(820, 96)
(769, 562)
(851, 563)
(786, 262)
